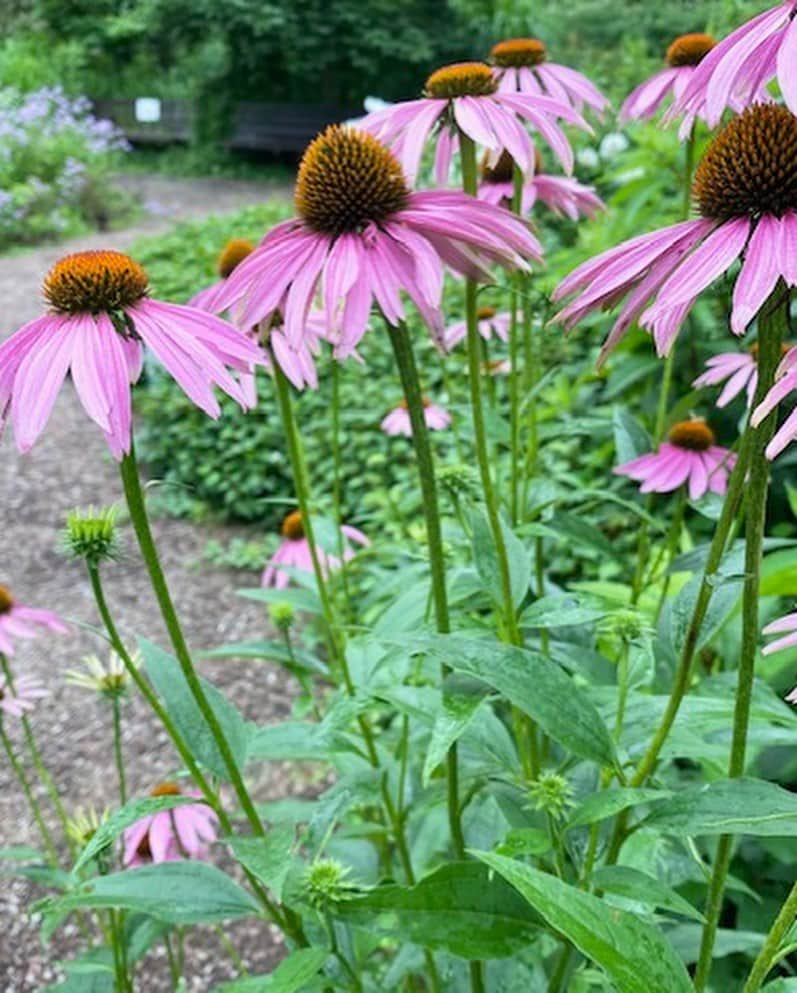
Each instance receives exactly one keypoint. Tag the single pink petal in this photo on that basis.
(37, 382)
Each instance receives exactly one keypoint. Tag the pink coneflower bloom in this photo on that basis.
(363, 236)
(467, 96)
(787, 624)
(738, 370)
(19, 621)
(785, 382)
(294, 552)
(746, 189)
(688, 456)
(488, 322)
(737, 69)
(23, 697)
(100, 320)
(172, 835)
(230, 257)
(563, 195)
(397, 422)
(521, 66)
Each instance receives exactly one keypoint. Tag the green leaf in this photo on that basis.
(537, 686)
(525, 841)
(486, 559)
(297, 741)
(630, 438)
(171, 685)
(457, 711)
(635, 954)
(639, 886)
(299, 598)
(677, 614)
(176, 892)
(781, 986)
(290, 976)
(561, 610)
(268, 858)
(132, 811)
(728, 806)
(268, 651)
(607, 803)
(461, 908)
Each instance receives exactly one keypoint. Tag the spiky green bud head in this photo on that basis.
(551, 793)
(326, 882)
(92, 534)
(282, 615)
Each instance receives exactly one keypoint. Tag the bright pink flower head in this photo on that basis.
(563, 195)
(746, 190)
(738, 370)
(488, 322)
(468, 96)
(734, 73)
(101, 318)
(362, 237)
(397, 422)
(521, 66)
(172, 835)
(294, 552)
(22, 697)
(19, 621)
(688, 456)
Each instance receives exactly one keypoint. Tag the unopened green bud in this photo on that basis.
(326, 883)
(551, 793)
(282, 615)
(92, 535)
(459, 480)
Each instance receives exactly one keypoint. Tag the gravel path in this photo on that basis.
(70, 467)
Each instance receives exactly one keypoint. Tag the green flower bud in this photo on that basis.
(326, 883)
(92, 534)
(282, 615)
(551, 793)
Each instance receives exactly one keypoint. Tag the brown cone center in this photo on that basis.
(94, 282)
(694, 435)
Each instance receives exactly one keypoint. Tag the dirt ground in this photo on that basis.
(70, 467)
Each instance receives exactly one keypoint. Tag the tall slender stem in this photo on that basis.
(146, 543)
(773, 321)
(337, 486)
(766, 957)
(118, 753)
(469, 184)
(514, 372)
(33, 803)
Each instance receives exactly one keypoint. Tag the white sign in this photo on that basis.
(148, 110)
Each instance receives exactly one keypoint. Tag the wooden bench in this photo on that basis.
(176, 123)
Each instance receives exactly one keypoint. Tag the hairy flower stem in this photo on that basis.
(33, 803)
(208, 793)
(773, 322)
(410, 382)
(337, 488)
(469, 185)
(38, 760)
(117, 748)
(514, 372)
(768, 954)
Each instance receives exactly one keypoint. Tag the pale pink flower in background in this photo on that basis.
(231, 256)
(467, 96)
(787, 626)
(746, 188)
(786, 382)
(737, 69)
(183, 832)
(489, 323)
(497, 367)
(294, 552)
(563, 195)
(26, 692)
(100, 321)
(397, 422)
(19, 621)
(689, 456)
(740, 369)
(362, 237)
(521, 66)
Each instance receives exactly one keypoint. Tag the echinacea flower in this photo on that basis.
(787, 626)
(521, 66)
(19, 621)
(183, 832)
(294, 552)
(22, 697)
(84, 824)
(785, 382)
(110, 679)
(231, 256)
(563, 195)
(397, 422)
(738, 67)
(466, 96)
(746, 189)
(689, 456)
(362, 237)
(489, 324)
(738, 370)
(101, 318)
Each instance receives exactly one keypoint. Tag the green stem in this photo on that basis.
(469, 184)
(117, 748)
(138, 516)
(337, 487)
(767, 956)
(410, 383)
(773, 322)
(16, 765)
(672, 545)
(514, 372)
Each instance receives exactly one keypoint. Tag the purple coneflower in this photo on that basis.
(172, 835)
(397, 422)
(489, 323)
(467, 96)
(23, 697)
(738, 370)
(231, 256)
(787, 626)
(746, 190)
(19, 621)
(294, 552)
(101, 318)
(738, 68)
(362, 236)
(688, 456)
(563, 195)
(521, 66)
